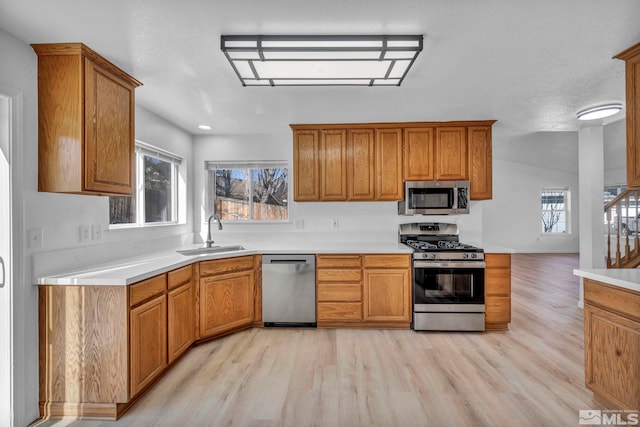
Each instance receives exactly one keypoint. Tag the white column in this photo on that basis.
(591, 210)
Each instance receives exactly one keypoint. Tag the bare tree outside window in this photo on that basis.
(251, 193)
(554, 211)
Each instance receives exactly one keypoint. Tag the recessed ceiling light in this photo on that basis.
(330, 60)
(204, 127)
(599, 112)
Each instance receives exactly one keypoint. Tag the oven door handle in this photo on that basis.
(462, 264)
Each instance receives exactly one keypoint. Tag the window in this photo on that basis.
(155, 198)
(248, 191)
(555, 216)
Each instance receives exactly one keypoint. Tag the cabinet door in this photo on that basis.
(612, 345)
(360, 164)
(306, 179)
(181, 325)
(109, 132)
(388, 164)
(333, 165)
(226, 303)
(451, 153)
(387, 295)
(480, 176)
(418, 154)
(148, 323)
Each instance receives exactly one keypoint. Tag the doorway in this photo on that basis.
(6, 311)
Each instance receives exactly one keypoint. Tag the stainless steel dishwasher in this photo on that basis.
(289, 290)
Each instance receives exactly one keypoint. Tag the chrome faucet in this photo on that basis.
(209, 242)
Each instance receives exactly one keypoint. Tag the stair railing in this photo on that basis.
(622, 217)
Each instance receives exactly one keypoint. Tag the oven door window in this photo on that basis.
(448, 285)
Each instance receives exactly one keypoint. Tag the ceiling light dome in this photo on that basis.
(599, 112)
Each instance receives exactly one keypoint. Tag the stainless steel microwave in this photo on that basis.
(435, 198)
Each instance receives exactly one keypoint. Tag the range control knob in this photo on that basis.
(465, 256)
(474, 255)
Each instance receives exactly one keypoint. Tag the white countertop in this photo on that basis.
(131, 270)
(627, 278)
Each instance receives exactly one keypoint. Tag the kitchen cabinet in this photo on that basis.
(451, 153)
(631, 56)
(181, 308)
(85, 122)
(333, 165)
(388, 164)
(418, 157)
(338, 289)
(387, 289)
(306, 165)
(361, 158)
(497, 291)
(612, 344)
(480, 163)
(226, 295)
(363, 290)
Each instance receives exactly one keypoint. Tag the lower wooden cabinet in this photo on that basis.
(497, 281)
(148, 342)
(612, 344)
(181, 325)
(363, 290)
(226, 295)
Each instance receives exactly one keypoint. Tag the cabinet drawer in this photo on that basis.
(621, 301)
(339, 261)
(498, 260)
(338, 292)
(339, 275)
(387, 261)
(146, 289)
(339, 311)
(227, 265)
(179, 277)
(498, 309)
(498, 281)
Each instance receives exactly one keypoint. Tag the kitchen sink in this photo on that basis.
(213, 250)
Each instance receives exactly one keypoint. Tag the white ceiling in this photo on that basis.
(530, 64)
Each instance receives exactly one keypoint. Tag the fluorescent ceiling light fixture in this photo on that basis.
(373, 60)
(599, 112)
(204, 127)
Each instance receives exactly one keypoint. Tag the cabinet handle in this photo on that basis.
(3, 272)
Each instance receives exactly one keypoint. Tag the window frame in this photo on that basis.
(142, 150)
(211, 166)
(566, 210)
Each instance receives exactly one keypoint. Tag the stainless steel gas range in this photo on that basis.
(448, 278)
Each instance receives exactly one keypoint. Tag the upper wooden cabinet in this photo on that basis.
(85, 122)
(631, 57)
(370, 161)
(451, 154)
(418, 154)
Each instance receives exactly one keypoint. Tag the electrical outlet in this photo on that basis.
(96, 232)
(298, 224)
(35, 238)
(85, 233)
(334, 223)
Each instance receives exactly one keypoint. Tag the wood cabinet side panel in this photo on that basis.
(480, 163)
(60, 123)
(83, 344)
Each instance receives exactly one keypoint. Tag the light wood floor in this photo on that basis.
(532, 375)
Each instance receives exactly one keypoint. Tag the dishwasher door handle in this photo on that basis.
(288, 261)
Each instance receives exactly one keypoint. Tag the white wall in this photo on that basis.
(60, 216)
(615, 153)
